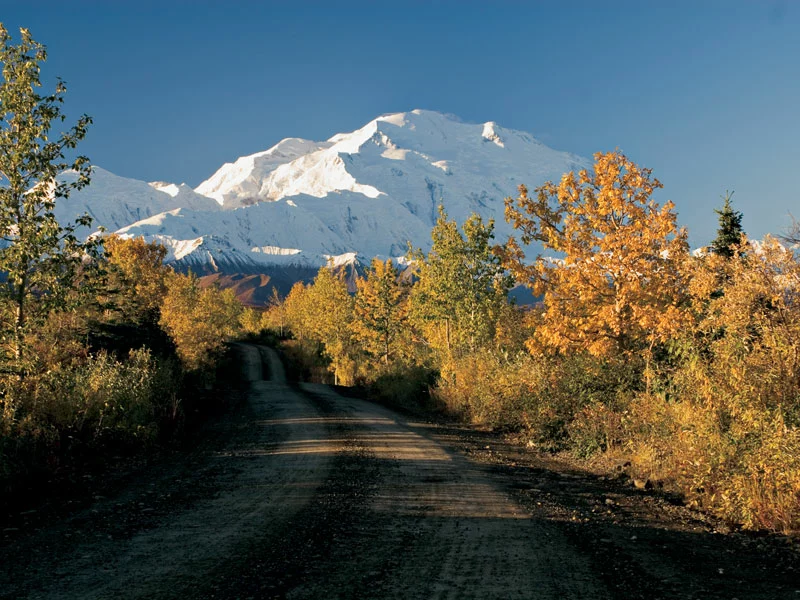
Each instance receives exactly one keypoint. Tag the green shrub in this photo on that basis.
(70, 410)
(404, 385)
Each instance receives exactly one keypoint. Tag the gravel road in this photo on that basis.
(303, 493)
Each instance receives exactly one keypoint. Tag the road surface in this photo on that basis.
(303, 493)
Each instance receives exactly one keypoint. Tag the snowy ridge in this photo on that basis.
(356, 196)
(230, 246)
(417, 160)
(237, 182)
(373, 190)
(115, 202)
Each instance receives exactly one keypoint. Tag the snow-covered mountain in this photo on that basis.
(114, 202)
(415, 160)
(239, 183)
(355, 196)
(365, 193)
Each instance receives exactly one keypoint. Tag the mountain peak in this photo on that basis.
(238, 183)
(114, 202)
(298, 166)
(358, 195)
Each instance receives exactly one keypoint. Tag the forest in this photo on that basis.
(683, 364)
(104, 350)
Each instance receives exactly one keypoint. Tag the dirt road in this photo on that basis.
(303, 493)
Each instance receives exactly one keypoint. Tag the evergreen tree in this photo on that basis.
(39, 257)
(730, 234)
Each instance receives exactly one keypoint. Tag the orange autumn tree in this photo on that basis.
(612, 284)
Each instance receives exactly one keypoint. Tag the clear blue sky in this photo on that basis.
(705, 93)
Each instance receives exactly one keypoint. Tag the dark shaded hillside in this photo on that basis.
(252, 290)
(255, 289)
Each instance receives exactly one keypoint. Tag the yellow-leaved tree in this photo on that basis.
(136, 277)
(320, 315)
(612, 283)
(296, 309)
(198, 320)
(275, 317)
(730, 433)
(329, 314)
(380, 310)
(250, 321)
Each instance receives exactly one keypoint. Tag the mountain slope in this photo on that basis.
(288, 210)
(239, 183)
(367, 192)
(114, 202)
(416, 160)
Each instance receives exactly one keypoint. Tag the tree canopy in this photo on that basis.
(380, 310)
(461, 284)
(38, 255)
(612, 284)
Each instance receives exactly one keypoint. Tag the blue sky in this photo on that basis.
(704, 93)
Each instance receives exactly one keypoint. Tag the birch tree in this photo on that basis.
(38, 256)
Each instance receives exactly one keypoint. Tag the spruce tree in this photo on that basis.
(730, 233)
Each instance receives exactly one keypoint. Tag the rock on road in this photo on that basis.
(304, 493)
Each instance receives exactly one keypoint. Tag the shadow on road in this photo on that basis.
(303, 493)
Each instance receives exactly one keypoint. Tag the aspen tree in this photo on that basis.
(612, 283)
(38, 256)
(380, 310)
(461, 284)
(136, 278)
(329, 313)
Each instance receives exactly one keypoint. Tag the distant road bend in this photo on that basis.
(303, 493)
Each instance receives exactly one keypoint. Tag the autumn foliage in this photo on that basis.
(734, 419)
(381, 311)
(114, 368)
(615, 287)
(684, 367)
(198, 320)
(136, 282)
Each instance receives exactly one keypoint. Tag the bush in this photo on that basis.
(723, 424)
(484, 389)
(72, 410)
(541, 395)
(403, 385)
(305, 361)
